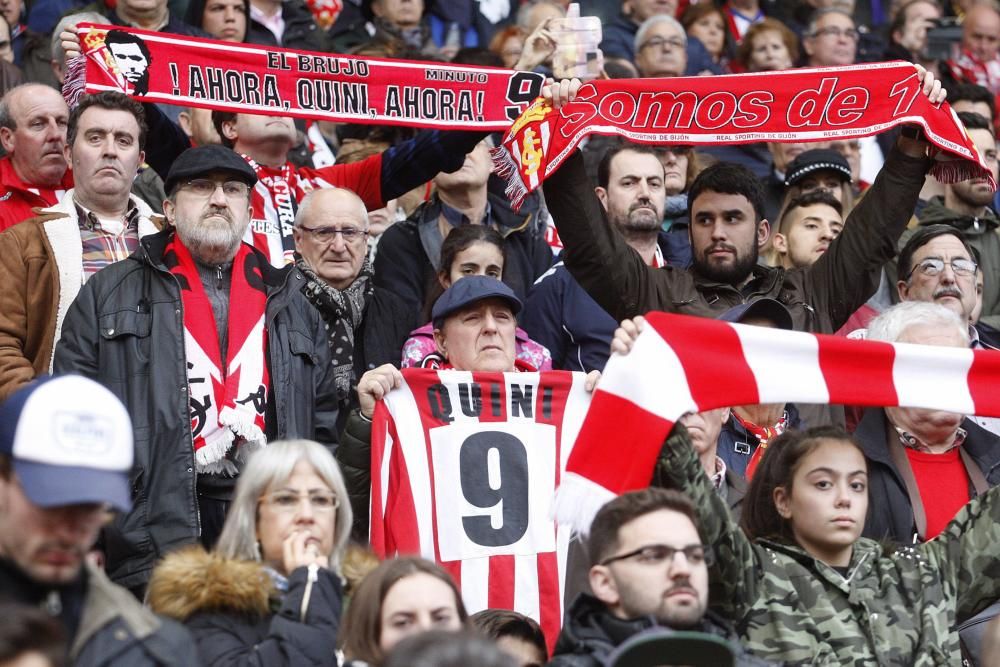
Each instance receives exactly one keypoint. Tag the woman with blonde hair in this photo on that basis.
(270, 591)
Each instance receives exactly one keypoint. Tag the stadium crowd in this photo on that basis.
(188, 394)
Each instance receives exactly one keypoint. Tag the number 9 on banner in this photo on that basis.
(493, 486)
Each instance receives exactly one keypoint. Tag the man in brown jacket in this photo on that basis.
(726, 206)
(46, 259)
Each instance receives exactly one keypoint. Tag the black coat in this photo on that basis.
(403, 265)
(890, 514)
(238, 619)
(591, 633)
(125, 331)
(301, 32)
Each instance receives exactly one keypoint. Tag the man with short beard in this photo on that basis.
(214, 352)
(727, 228)
(648, 569)
(559, 314)
(967, 207)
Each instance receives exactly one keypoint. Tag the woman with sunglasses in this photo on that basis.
(270, 592)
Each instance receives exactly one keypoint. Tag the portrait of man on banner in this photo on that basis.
(132, 57)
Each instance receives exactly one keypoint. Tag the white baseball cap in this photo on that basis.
(70, 440)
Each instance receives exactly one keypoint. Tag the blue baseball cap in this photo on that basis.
(70, 442)
(468, 290)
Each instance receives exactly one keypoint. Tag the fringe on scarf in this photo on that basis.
(211, 457)
(956, 171)
(577, 501)
(505, 166)
(75, 83)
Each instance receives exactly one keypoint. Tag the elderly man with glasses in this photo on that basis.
(366, 325)
(214, 352)
(832, 38)
(649, 569)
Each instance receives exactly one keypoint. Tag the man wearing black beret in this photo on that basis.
(213, 351)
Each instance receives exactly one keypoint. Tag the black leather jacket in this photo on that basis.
(125, 330)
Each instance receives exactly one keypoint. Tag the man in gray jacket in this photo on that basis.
(65, 455)
(205, 383)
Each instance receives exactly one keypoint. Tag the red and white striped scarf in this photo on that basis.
(228, 397)
(683, 364)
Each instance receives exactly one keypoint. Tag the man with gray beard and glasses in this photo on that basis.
(206, 384)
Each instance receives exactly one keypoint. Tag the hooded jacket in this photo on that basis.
(591, 633)
(409, 251)
(237, 615)
(981, 233)
(126, 330)
(889, 609)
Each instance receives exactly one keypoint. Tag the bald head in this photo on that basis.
(33, 120)
(330, 233)
(981, 32)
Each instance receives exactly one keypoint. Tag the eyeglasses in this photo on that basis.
(288, 502)
(834, 31)
(205, 187)
(654, 554)
(932, 266)
(659, 43)
(327, 234)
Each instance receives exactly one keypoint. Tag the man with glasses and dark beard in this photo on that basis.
(649, 569)
(205, 383)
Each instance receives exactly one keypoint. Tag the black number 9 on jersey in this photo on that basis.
(511, 493)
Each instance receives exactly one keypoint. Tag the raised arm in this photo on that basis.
(848, 273)
(735, 574)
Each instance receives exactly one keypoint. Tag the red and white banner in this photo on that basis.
(194, 72)
(683, 364)
(813, 104)
(464, 468)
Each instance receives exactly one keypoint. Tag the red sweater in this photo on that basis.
(944, 486)
(17, 199)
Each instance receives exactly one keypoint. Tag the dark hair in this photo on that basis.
(117, 36)
(809, 199)
(788, 38)
(604, 167)
(497, 623)
(760, 518)
(25, 629)
(6, 467)
(441, 648)
(698, 11)
(603, 539)
(921, 237)
(731, 179)
(220, 117)
(111, 101)
(361, 631)
(971, 92)
(900, 20)
(459, 239)
(477, 55)
(975, 121)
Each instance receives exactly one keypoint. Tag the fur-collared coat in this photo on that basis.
(238, 616)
